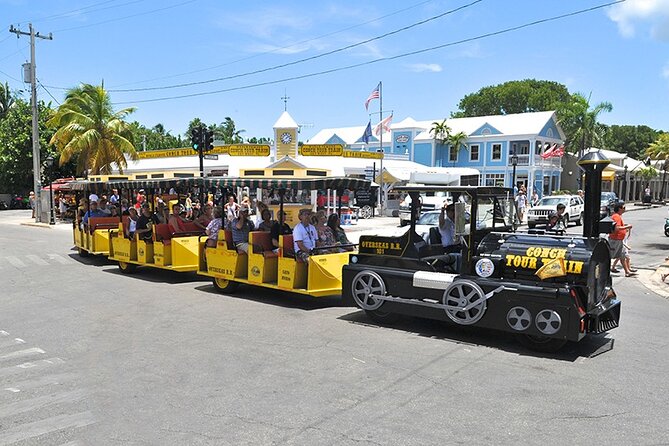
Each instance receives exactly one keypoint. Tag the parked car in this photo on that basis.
(428, 203)
(609, 199)
(538, 215)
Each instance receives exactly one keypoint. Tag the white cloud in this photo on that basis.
(633, 14)
(421, 67)
(665, 71)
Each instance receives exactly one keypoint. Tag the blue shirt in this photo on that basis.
(95, 213)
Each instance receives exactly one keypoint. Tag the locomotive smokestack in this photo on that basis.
(592, 164)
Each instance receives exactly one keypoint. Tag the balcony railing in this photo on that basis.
(549, 163)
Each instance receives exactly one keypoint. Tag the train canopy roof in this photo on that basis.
(324, 183)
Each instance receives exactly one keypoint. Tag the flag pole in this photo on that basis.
(381, 191)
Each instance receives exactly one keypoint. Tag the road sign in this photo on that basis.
(210, 157)
(248, 150)
(321, 150)
(363, 154)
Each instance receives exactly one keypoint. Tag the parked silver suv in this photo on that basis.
(538, 215)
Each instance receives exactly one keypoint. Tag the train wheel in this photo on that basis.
(83, 252)
(366, 212)
(225, 285)
(364, 284)
(541, 343)
(465, 302)
(127, 268)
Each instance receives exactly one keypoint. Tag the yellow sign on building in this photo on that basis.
(171, 153)
(362, 154)
(321, 150)
(248, 150)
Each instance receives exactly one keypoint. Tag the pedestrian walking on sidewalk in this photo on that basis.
(617, 237)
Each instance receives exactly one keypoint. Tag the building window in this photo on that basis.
(474, 152)
(452, 154)
(495, 179)
(537, 147)
(496, 152)
(486, 131)
(549, 133)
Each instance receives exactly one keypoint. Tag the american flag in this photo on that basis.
(383, 125)
(554, 152)
(373, 95)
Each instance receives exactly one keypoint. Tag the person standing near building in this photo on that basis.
(617, 237)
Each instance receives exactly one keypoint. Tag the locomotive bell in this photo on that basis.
(592, 163)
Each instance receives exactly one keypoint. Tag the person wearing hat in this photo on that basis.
(304, 235)
(93, 211)
(241, 226)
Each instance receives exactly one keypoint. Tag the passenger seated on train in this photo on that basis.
(266, 221)
(279, 227)
(556, 219)
(304, 235)
(213, 227)
(449, 239)
(162, 214)
(203, 220)
(241, 226)
(176, 222)
(93, 211)
(334, 223)
(145, 223)
(132, 223)
(325, 235)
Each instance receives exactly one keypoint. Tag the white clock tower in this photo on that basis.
(285, 136)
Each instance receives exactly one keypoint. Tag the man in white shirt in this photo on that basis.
(304, 235)
(449, 240)
(447, 226)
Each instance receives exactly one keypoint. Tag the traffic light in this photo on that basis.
(196, 138)
(208, 140)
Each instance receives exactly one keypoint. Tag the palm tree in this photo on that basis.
(228, 132)
(457, 140)
(90, 130)
(6, 100)
(660, 148)
(440, 131)
(579, 122)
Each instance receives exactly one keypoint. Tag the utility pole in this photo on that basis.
(37, 183)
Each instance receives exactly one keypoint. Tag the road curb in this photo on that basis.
(651, 280)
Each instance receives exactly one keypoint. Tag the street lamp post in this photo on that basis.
(625, 185)
(514, 163)
(49, 164)
(665, 166)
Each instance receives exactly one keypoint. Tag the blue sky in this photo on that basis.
(618, 54)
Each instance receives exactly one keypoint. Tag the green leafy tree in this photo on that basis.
(89, 130)
(646, 173)
(155, 138)
(16, 160)
(630, 139)
(659, 150)
(580, 123)
(261, 140)
(6, 100)
(529, 95)
(228, 132)
(457, 140)
(440, 131)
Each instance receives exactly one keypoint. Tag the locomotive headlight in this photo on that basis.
(354, 259)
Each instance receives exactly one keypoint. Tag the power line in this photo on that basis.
(382, 59)
(283, 47)
(125, 17)
(84, 9)
(306, 59)
(48, 92)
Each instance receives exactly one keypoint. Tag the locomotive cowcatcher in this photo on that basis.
(546, 288)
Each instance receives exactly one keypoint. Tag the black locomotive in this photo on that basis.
(547, 288)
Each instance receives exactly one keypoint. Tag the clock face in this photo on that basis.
(286, 138)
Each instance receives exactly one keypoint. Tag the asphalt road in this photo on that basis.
(89, 356)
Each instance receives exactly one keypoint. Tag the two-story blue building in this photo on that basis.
(491, 141)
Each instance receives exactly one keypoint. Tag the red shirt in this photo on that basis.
(619, 234)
